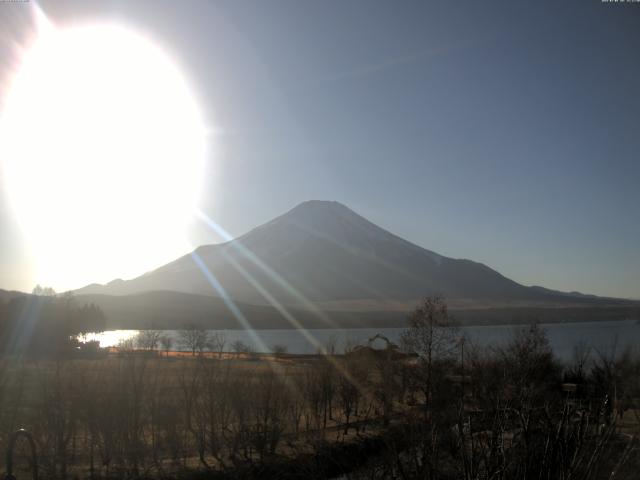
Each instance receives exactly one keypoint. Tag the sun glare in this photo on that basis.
(102, 149)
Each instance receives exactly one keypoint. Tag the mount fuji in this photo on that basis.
(323, 255)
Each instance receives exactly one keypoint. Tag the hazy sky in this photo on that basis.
(504, 132)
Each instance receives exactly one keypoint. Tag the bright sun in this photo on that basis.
(102, 150)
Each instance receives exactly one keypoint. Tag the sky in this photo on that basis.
(503, 132)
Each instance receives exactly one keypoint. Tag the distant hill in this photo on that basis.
(175, 310)
(7, 295)
(322, 254)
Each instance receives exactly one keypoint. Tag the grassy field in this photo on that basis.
(149, 414)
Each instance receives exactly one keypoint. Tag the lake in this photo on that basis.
(603, 336)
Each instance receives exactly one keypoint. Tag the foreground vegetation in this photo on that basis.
(433, 407)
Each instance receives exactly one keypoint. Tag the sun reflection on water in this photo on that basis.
(110, 338)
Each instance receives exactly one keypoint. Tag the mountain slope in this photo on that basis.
(327, 254)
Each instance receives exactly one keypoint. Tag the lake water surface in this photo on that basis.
(603, 336)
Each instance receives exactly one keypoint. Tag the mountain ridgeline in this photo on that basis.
(322, 256)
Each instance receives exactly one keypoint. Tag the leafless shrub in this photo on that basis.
(239, 347)
(279, 349)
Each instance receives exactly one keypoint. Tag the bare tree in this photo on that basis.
(126, 345)
(148, 339)
(218, 341)
(432, 336)
(268, 408)
(194, 339)
(529, 364)
(327, 379)
(167, 342)
(348, 391)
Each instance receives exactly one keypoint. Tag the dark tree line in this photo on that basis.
(46, 325)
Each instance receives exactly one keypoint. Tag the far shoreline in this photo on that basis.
(499, 316)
